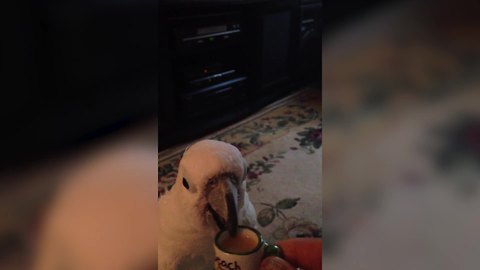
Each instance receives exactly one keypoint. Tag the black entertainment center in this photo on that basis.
(77, 70)
(223, 60)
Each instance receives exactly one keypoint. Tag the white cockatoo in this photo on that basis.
(209, 195)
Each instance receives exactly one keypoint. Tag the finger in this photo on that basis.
(303, 252)
(275, 263)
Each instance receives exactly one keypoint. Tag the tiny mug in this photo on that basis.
(249, 260)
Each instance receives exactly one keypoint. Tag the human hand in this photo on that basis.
(303, 253)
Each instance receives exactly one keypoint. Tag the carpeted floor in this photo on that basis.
(282, 145)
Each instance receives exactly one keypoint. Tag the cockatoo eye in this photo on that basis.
(185, 183)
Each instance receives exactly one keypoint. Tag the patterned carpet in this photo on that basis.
(282, 145)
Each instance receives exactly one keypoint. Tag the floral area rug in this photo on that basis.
(282, 145)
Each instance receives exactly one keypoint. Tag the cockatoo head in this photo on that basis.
(209, 184)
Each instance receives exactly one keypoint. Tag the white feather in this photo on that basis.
(185, 235)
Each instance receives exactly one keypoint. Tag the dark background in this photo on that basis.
(72, 71)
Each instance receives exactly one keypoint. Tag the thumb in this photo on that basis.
(275, 263)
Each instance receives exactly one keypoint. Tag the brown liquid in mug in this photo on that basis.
(240, 243)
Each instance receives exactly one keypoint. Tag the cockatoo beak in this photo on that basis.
(222, 204)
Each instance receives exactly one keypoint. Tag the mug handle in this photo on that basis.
(272, 250)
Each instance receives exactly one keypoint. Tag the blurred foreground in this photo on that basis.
(402, 138)
(92, 209)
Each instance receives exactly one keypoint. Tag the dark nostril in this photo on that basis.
(185, 183)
